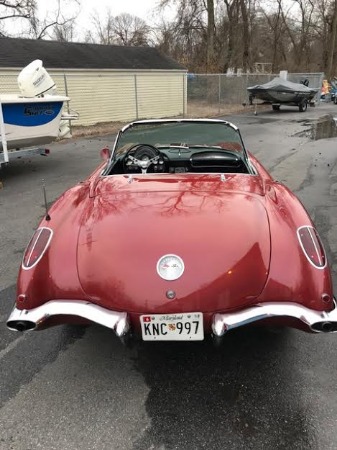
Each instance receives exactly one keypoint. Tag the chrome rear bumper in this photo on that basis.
(24, 320)
(316, 321)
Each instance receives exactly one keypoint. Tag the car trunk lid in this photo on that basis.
(217, 225)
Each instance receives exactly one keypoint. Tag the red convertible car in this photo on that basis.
(179, 233)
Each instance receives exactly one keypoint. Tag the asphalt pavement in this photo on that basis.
(75, 388)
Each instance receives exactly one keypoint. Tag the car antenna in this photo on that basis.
(45, 200)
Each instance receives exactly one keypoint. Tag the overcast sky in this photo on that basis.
(144, 9)
(140, 8)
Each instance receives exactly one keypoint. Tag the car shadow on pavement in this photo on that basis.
(241, 394)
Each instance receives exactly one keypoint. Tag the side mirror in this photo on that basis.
(105, 153)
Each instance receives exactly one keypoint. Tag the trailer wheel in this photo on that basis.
(303, 106)
(276, 107)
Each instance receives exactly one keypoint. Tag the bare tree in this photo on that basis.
(205, 35)
(298, 35)
(210, 35)
(27, 11)
(171, 41)
(64, 32)
(56, 24)
(274, 32)
(124, 29)
(11, 10)
(189, 30)
(322, 31)
(130, 30)
(245, 35)
(299, 32)
(103, 28)
(332, 56)
(231, 25)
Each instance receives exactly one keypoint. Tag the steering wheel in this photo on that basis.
(142, 156)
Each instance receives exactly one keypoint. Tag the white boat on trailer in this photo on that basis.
(31, 119)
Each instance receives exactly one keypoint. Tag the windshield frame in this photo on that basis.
(164, 121)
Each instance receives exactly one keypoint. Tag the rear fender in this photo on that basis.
(292, 277)
(56, 272)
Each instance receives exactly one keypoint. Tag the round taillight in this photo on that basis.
(36, 247)
(312, 246)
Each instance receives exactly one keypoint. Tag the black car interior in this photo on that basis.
(176, 158)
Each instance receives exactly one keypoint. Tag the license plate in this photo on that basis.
(172, 327)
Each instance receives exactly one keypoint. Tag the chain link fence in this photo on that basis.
(221, 94)
(126, 97)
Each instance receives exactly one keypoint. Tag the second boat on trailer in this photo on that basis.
(279, 92)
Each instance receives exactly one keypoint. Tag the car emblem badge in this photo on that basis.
(170, 267)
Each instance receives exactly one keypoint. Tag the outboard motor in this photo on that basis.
(35, 81)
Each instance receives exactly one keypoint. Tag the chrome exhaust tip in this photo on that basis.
(21, 325)
(325, 327)
(32, 319)
(316, 321)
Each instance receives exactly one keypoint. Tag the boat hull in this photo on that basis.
(278, 96)
(281, 91)
(31, 122)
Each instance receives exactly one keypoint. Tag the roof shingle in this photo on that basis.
(70, 55)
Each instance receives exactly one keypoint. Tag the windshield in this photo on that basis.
(182, 135)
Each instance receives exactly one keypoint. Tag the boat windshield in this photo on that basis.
(185, 135)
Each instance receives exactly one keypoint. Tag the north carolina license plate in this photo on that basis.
(172, 327)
